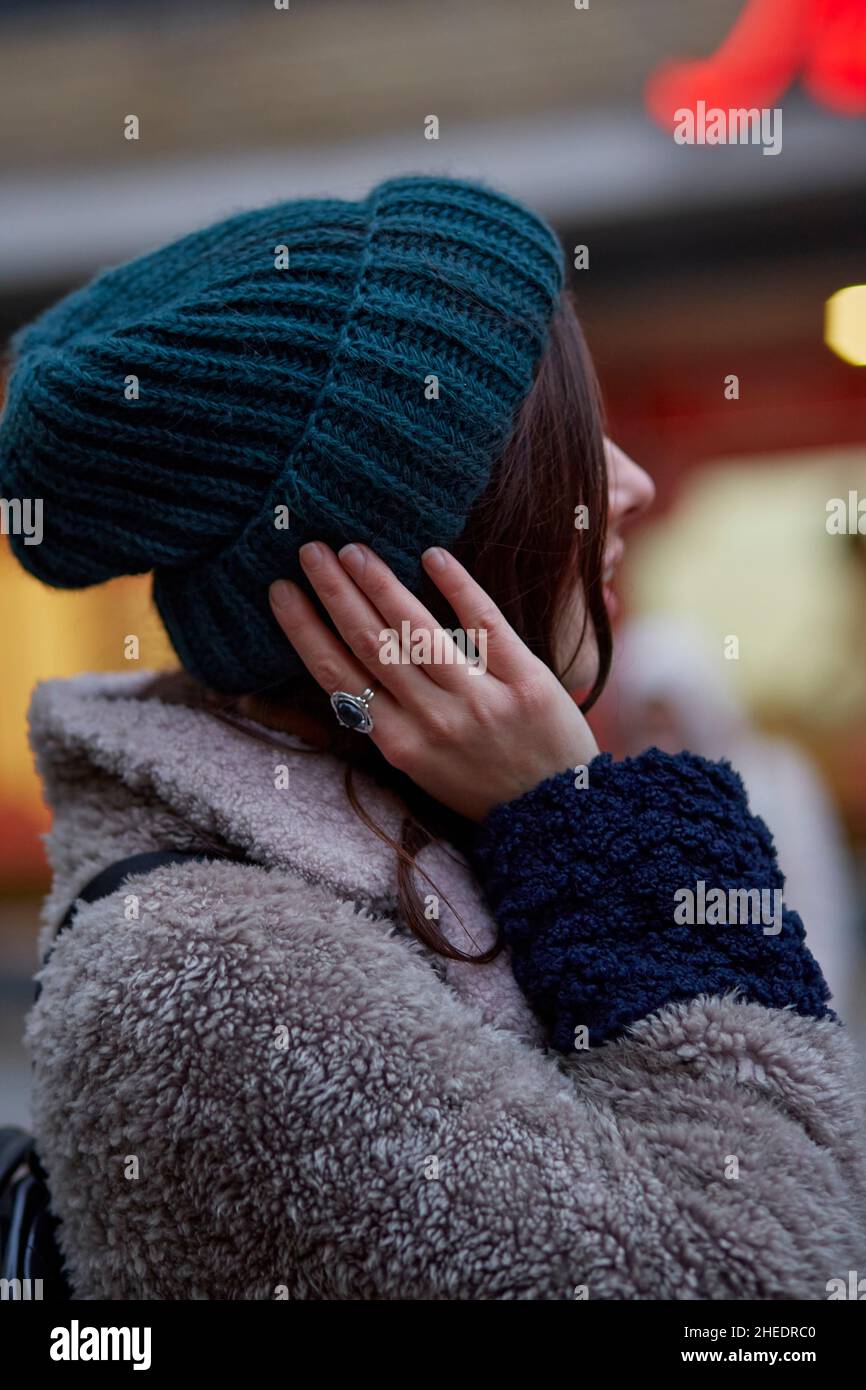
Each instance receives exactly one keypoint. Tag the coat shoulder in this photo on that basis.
(205, 1038)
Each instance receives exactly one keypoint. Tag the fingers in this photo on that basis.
(507, 657)
(363, 597)
(359, 624)
(321, 651)
(397, 605)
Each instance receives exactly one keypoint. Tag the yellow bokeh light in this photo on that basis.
(845, 324)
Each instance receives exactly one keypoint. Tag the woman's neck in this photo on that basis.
(285, 719)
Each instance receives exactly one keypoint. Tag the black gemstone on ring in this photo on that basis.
(351, 711)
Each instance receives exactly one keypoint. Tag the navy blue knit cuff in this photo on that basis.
(605, 895)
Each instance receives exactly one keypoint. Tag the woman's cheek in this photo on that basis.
(579, 675)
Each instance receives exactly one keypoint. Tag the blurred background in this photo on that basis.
(703, 263)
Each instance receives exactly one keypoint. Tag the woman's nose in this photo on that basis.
(631, 490)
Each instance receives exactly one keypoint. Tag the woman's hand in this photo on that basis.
(471, 738)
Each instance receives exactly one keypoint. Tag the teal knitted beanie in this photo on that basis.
(324, 370)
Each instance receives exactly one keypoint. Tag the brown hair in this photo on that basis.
(522, 546)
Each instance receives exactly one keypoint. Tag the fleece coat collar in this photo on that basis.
(123, 775)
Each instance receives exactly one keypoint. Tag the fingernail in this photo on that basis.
(434, 558)
(311, 553)
(280, 593)
(353, 559)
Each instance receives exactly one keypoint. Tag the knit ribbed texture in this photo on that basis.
(263, 388)
(582, 882)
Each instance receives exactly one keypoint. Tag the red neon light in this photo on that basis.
(772, 44)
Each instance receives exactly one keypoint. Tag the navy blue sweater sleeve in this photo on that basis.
(594, 887)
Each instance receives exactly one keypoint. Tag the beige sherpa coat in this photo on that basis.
(260, 1087)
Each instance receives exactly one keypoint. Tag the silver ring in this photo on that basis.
(353, 711)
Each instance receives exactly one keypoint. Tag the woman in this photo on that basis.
(316, 1073)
